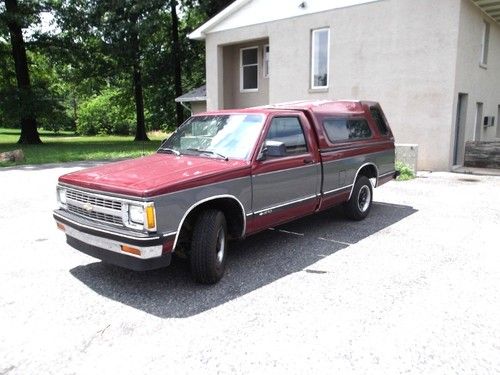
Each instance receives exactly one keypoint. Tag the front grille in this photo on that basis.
(93, 200)
(95, 215)
(94, 207)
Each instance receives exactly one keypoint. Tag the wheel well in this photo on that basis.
(369, 171)
(231, 209)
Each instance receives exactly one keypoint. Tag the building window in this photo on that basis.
(485, 44)
(249, 67)
(265, 61)
(341, 129)
(320, 58)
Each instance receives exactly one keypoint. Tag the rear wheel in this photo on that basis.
(209, 247)
(359, 205)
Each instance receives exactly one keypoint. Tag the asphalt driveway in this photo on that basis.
(413, 289)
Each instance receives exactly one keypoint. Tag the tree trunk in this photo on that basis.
(29, 132)
(140, 133)
(176, 57)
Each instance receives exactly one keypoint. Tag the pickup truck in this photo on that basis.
(226, 175)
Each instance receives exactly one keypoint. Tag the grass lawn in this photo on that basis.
(65, 146)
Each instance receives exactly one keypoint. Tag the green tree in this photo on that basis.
(18, 17)
(120, 30)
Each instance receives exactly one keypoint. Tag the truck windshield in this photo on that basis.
(216, 136)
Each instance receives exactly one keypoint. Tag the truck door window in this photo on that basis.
(342, 129)
(289, 131)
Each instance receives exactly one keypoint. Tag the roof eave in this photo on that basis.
(489, 7)
(200, 32)
(189, 100)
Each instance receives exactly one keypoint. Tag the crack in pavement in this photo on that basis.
(97, 334)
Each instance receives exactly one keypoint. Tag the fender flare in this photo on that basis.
(357, 173)
(205, 200)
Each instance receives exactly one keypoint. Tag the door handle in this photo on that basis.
(308, 161)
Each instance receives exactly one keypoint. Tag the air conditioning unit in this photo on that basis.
(489, 121)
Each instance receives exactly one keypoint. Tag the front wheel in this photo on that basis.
(209, 247)
(360, 203)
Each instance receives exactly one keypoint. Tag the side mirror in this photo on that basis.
(272, 149)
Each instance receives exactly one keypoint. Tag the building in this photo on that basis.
(433, 65)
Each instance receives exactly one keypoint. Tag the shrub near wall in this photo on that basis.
(105, 114)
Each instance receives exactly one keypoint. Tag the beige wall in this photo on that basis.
(197, 107)
(482, 84)
(401, 53)
(233, 97)
(216, 45)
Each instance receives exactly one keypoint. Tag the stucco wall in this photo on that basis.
(401, 53)
(480, 83)
(197, 107)
(233, 97)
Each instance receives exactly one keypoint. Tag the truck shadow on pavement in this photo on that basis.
(252, 264)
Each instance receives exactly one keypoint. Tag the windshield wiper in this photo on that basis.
(209, 152)
(171, 150)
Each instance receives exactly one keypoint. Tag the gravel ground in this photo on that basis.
(413, 289)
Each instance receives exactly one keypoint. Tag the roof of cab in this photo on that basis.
(315, 106)
(321, 106)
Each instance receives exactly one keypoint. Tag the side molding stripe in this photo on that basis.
(285, 204)
(338, 189)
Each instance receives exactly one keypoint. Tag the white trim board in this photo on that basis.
(252, 12)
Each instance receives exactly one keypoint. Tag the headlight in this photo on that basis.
(141, 217)
(136, 214)
(61, 196)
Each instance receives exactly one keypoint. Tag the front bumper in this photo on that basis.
(108, 245)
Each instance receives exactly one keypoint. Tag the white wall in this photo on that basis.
(401, 53)
(480, 83)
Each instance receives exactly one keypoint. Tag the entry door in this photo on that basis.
(286, 186)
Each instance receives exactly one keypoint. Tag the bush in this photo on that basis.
(107, 113)
(405, 171)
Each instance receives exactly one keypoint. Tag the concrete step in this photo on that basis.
(485, 154)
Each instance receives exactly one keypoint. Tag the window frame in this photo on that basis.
(265, 70)
(313, 87)
(306, 152)
(341, 141)
(485, 44)
(242, 68)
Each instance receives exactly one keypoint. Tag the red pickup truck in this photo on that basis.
(226, 175)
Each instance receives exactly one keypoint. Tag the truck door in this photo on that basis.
(286, 176)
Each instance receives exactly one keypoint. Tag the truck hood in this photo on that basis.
(157, 174)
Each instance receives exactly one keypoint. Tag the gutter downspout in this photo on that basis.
(185, 106)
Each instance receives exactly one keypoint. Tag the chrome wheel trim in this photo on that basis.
(364, 198)
(221, 245)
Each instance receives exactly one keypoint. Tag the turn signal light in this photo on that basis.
(61, 227)
(150, 217)
(131, 250)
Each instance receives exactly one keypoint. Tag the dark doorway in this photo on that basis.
(458, 151)
(479, 121)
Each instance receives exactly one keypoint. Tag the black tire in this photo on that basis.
(209, 247)
(359, 205)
